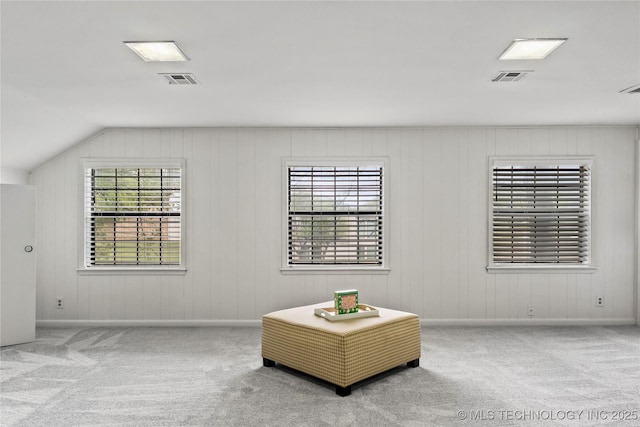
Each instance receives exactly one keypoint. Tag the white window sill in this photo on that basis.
(335, 270)
(131, 271)
(579, 269)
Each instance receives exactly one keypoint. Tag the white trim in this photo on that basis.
(528, 322)
(540, 160)
(537, 161)
(131, 271)
(106, 162)
(537, 268)
(330, 269)
(258, 323)
(637, 234)
(127, 162)
(145, 323)
(336, 161)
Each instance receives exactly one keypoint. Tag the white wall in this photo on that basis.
(638, 226)
(437, 197)
(14, 176)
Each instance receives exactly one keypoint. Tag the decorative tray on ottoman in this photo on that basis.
(332, 315)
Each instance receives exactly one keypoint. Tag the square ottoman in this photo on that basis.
(340, 352)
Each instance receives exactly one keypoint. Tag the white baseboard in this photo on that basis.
(143, 323)
(527, 322)
(257, 323)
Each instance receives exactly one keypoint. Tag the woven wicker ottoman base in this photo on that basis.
(342, 352)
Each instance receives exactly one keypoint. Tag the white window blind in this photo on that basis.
(133, 216)
(541, 214)
(335, 215)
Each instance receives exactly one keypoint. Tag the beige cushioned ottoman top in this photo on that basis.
(341, 352)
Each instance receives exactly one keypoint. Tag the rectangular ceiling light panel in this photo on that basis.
(530, 48)
(157, 51)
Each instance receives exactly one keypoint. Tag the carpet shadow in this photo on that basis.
(283, 396)
(329, 386)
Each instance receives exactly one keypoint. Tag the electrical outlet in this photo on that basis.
(59, 303)
(530, 310)
(599, 301)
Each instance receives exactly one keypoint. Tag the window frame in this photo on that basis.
(83, 248)
(335, 268)
(528, 161)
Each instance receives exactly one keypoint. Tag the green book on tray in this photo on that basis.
(346, 301)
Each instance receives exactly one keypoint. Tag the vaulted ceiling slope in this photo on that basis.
(66, 73)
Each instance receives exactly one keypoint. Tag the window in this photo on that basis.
(133, 215)
(335, 214)
(540, 213)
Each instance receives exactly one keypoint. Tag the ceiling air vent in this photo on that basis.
(180, 79)
(632, 89)
(510, 76)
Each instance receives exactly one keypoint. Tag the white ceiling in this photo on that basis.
(66, 73)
